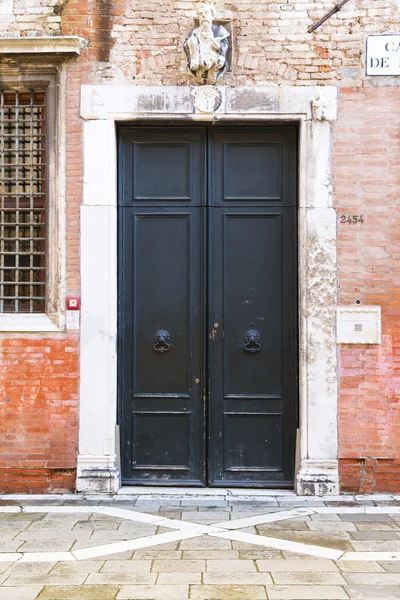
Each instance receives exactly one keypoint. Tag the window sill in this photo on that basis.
(27, 323)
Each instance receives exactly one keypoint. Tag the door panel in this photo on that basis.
(252, 298)
(161, 320)
(252, 392)
(163, 407)
(252, 166)
(252, 270)
(162, 167)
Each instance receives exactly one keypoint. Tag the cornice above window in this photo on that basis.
(56, 48)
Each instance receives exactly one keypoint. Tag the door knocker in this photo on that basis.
(162, 341)
(252, 341)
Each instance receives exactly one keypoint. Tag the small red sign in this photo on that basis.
(73, 303)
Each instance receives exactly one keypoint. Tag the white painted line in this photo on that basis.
(187, 526)
(385, 510)
(265, 518)
(374, 556)
(46, 556)
(337, 510)
(360, 510)
(144, 542)
(9, 556)
(279, 544)
(32, 496)
(60, 509)
(132, 515)
(10, 509)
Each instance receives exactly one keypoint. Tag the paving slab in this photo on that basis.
(228, 592)
(160, 552)
(355, 566)
(391, 567)
(41, 568)
(126, 566)
(375, 535)
(297, 565)
(376, 545)
(153, 592)
(20, 592)
(306, 592)
(381, 579)
(10, 546)
(367, 592)
(232, 578)
(45, 545)
(393, 526)
(179, 578)
(178, 566)
(248, 552)
(48, 579)
(360, 517)
(205, 543)
(307, 578)
(231, 565)
(89, 592)
(121, 578)
(211, 554)
(331, 526)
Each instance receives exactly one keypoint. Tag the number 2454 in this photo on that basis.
(351, 219)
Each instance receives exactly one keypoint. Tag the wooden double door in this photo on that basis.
(208, 305)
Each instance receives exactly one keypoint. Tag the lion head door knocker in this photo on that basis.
(252, 341)
(207, 47)
(162, 341)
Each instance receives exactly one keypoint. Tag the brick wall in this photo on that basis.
(271, 43)
(38, 414)
(367, 182)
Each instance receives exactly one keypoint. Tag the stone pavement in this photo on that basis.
(202, 545)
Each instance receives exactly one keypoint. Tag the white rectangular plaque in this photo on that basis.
(73, 319)
(383, 54)
(359, 325)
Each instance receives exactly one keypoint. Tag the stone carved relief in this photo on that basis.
(320, 108)
(97, 104)
(207, 47)
(207, 99)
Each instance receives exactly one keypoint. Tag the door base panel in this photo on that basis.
(132, 483)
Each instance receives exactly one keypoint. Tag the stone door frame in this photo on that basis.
(314, 109)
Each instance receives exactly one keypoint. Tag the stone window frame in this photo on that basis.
(313, 108)
(51, 79)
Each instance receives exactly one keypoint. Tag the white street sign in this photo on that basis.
(383, 54)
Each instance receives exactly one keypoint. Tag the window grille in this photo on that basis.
(22, 201)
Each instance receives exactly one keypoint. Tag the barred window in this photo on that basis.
(22, 201)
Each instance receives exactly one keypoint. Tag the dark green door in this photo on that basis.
(208, 305)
